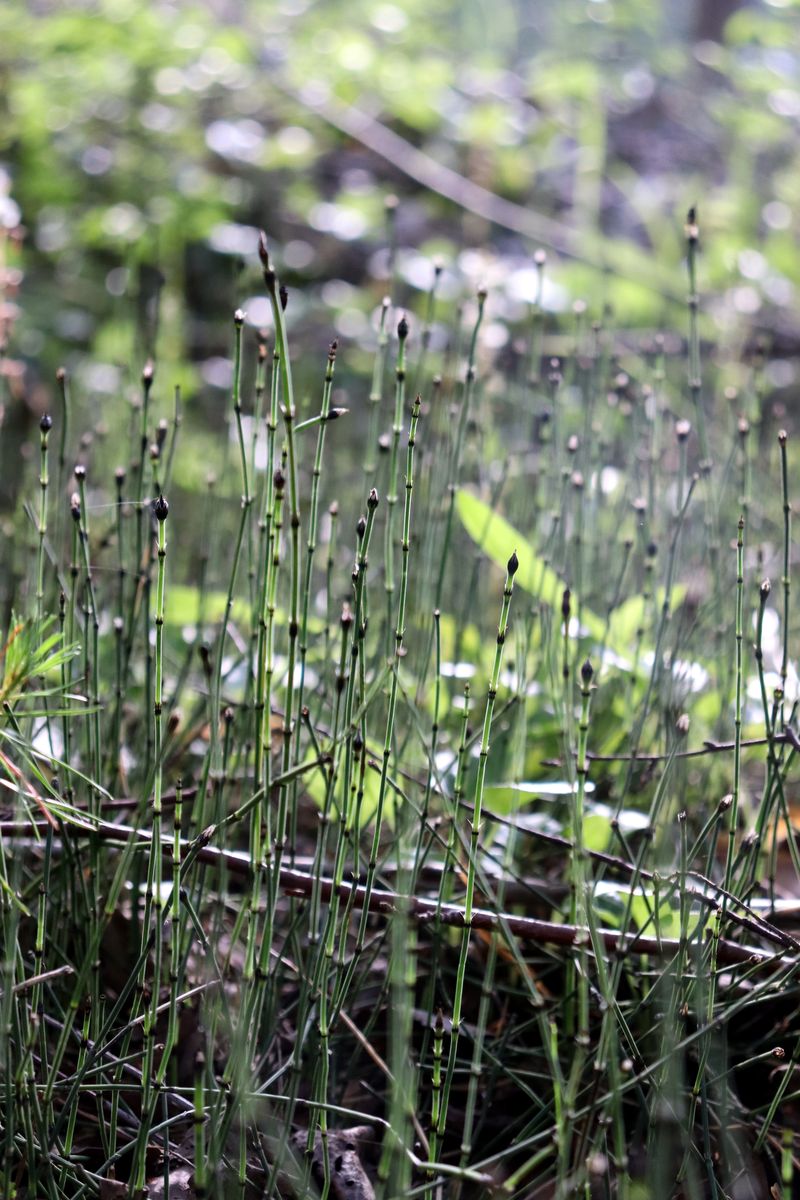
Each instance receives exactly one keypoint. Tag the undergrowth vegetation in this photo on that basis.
(418, 822)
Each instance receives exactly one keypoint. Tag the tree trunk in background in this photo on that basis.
(710, 18)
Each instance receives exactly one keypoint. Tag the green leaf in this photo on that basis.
(498, 540)
(504, 798)
(317, 785)
(611, 900)
(597, 825)
(182, 607)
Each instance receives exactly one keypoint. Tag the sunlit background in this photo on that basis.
(143, 145)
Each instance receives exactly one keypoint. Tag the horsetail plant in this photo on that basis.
(475, 832)
(692, 234)
(399, 635)
(154, 896)
(391, 491)
(281, 962)
(45, 425)
(786, 576)
(355, 685)
(454, 458)
(247, 500)
(92, 643)
(733, 816)
(376, 392)
(278, 298)
(311, 546)
(577, 978)
(268, 578)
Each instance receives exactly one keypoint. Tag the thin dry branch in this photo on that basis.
(423, 910)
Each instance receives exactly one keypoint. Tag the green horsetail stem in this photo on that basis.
(394, 1165)
(347, 840)
(458, 996)
(92, 628)
(786, 577)
(733, 815)
(456, 450)
(764, 808)
(399, 635)
(45, 425)
(391, 491)
(62, 380)
(216, 748)
(692, 235)
(577, 976)
(175, 937)
(155, 901)
(326, 1019)
(263, 703)
(376, 393)
(427, 327)
(311, 546)
(277, 297)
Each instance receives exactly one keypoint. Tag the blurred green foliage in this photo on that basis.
(144, 143)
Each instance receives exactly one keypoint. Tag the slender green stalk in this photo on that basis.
(266, 615)
(176, 932)
(376, 394)
(786, 577)
(391, 493)
(333, 515)
(155, 899)
(63, 419)
(436, 714)
(772, 774)
(93, 628)
(536, 323)
(454, 463)
(247, 500)
(427, 327)
(394, 1164)
(578, 973)
(277, 298)
(311, 546)
(695, 382)
(458, 996)
(45, 425)
(347, 842)
(399, 635)
(436, 1078)
(733, 816)
(63, 386)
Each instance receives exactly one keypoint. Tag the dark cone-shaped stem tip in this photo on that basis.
(263, 252)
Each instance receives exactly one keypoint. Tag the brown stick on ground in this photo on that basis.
(530, 929)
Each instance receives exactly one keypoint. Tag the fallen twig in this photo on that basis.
(380, 901)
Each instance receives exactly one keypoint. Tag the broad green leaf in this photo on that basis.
(597, 825)
(316, 785)
(504, 798)
(611, 900)
(182, 607)
(498, 539)
(629, 616)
